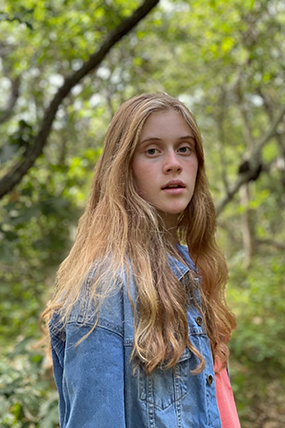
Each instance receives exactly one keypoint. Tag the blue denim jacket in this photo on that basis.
(95, 380)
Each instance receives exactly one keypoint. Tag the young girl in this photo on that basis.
(138, 320)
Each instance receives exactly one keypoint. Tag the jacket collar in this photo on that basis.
(178, 268)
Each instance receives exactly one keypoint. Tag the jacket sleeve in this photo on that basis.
(90, 377)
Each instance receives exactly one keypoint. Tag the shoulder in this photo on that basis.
(103, 305)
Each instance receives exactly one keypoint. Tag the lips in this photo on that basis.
(174, 184)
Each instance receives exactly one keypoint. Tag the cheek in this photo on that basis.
(140, 187)
(143, 182)
(139, 175)
(193, 171)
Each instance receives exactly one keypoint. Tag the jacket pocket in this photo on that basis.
(165, 386)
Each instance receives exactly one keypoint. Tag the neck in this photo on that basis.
(171, 235)
(170, 225)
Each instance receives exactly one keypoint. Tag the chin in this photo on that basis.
(177, 211)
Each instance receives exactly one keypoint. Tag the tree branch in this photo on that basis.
(253, 163)
(8, 110)
(246, 128)
(221, 140)
(280, 137)
(276, 244)
(17, 172)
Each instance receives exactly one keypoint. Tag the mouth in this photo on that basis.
(174, 185)
(174, 188)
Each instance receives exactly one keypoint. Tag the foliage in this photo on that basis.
(225, 60)
(258, 344)
(20, 16)
(26, 397)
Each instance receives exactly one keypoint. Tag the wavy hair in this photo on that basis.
(119, 227)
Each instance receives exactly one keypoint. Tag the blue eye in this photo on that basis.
(184, 149)
(151, 151)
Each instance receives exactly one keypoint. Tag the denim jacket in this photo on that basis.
(95, 380)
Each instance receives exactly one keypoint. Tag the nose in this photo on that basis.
(171, 163)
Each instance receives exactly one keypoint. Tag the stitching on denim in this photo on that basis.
(101, 324)
(56, 343)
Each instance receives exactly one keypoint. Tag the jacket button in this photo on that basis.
(199, 321)
(210, 380)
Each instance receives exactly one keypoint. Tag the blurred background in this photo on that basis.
(226, 61)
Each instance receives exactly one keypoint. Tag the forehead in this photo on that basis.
(165, 124)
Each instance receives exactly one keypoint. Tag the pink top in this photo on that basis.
(225, 399)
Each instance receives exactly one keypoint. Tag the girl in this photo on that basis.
(138, 320)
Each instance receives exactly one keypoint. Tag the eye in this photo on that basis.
(185, 149)
(151, 151)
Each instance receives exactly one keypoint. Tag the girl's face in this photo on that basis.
(165, 164)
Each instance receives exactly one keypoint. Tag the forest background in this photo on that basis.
(65, 67)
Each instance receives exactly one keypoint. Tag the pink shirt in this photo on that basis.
(225, 399)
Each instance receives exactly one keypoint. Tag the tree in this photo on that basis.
(225, 60)
(35, 149)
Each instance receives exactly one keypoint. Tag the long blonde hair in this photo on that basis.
(119, 227)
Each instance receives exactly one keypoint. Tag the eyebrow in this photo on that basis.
(184, 137)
